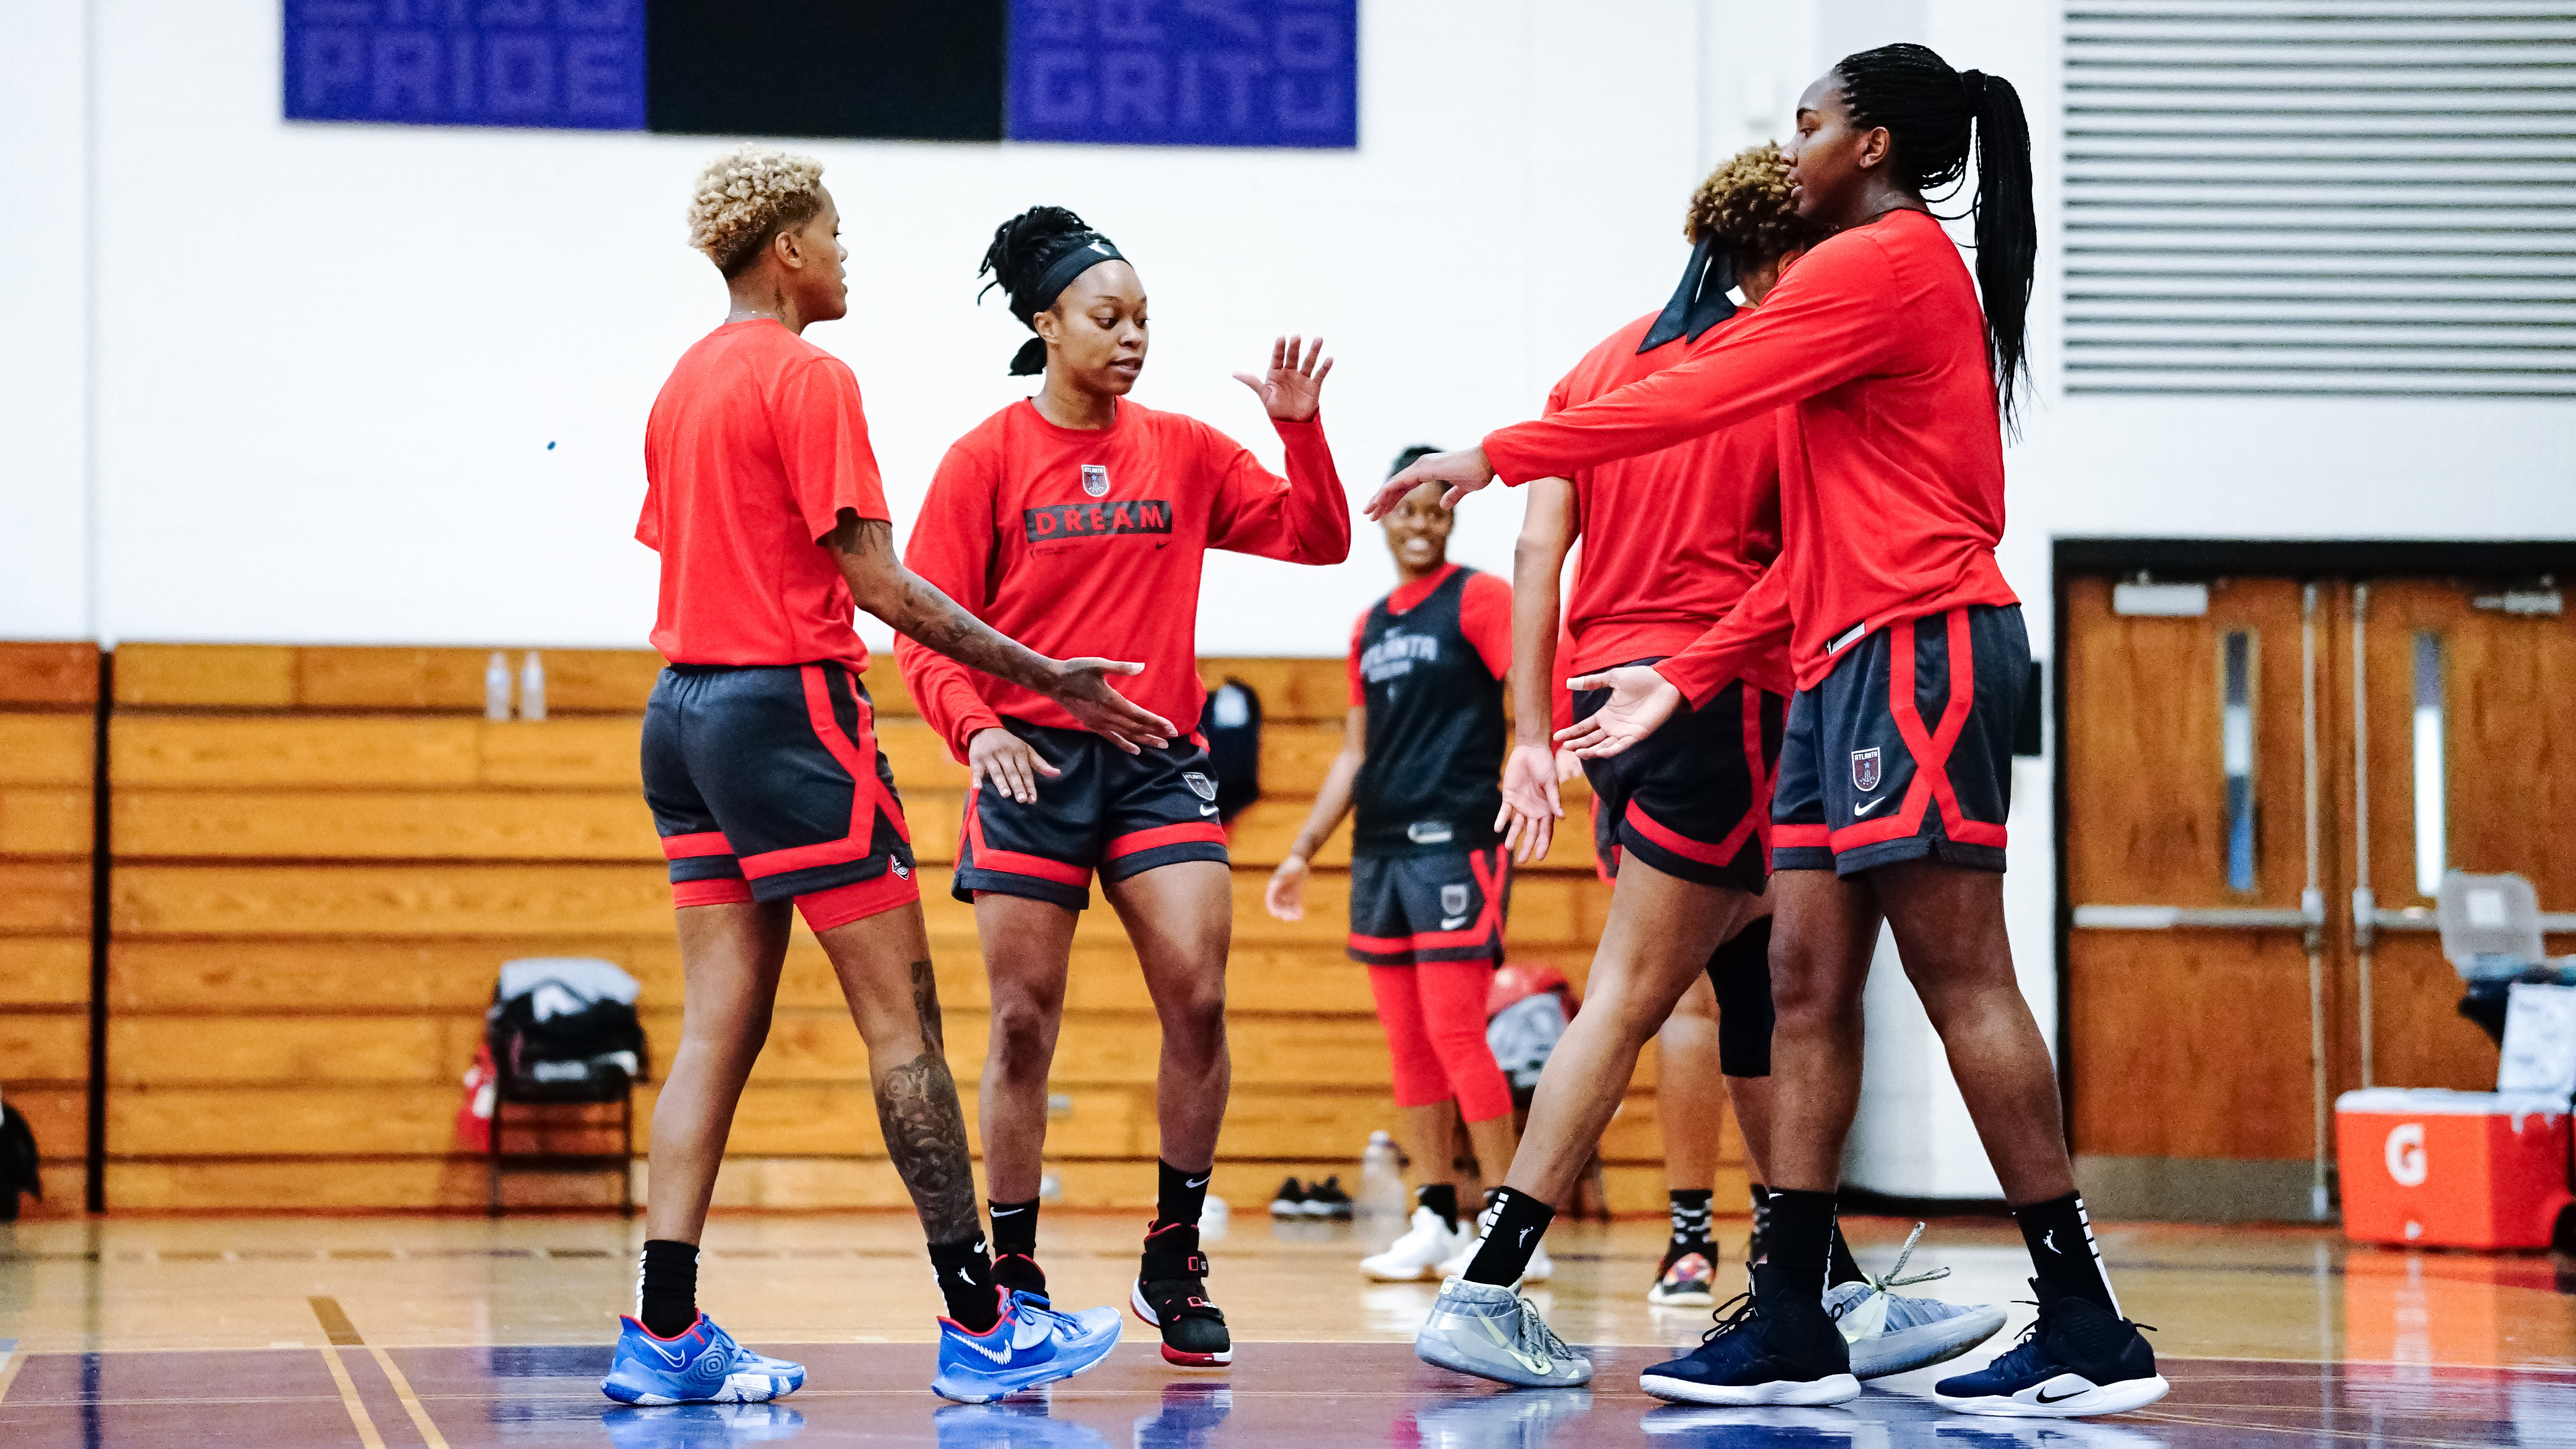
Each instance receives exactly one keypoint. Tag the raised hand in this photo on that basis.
(1003, 760)
(1640, 701)
(1464, 471)
(1082, 687)
(1531, 807)
(1294, 386)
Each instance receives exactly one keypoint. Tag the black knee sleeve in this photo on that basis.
(1740, 970)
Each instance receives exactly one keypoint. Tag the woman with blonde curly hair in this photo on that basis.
(767, 786)
(1671, 541)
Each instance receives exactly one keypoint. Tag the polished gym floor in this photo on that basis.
(396, 1333)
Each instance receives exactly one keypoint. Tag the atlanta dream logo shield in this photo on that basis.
(1200, 785)
(1453, 900)
(1095, 480)
(1865, 770)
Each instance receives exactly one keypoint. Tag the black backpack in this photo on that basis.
(560, 1032)
(17, 1163)
(1231, 721)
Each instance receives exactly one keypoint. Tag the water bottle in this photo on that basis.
(1382, 1205)
(496, 687)
(532, 688)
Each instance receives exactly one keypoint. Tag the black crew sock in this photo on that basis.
(1504, 1252)
(2060, 1238)
(666, 1287)
(1179, 1197)
(1690, 1217)
(966, 1281)
(1015, 1228)
(1441, 1198)
(1801, 1236)
(1839, 1267)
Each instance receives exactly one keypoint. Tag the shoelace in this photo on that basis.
(2030, 1337)
(1535, 1337)
(1745, 1311)
(1895, 1277)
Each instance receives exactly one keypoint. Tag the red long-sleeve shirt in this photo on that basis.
(1674, 537)
(1892, 474)
(1090, 542)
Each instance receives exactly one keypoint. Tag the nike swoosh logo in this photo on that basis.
(1207, 810)
(1006, 1212)
(2043, 1396)
(1861, 810)
(1531, 1362)
(997, 1355)
(1197, 1182)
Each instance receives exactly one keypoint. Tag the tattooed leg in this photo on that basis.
(884, 966)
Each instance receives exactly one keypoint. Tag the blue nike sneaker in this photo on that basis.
(1776, 1347)
(2075, 1360)
(1029, 1345)
(701, 1366)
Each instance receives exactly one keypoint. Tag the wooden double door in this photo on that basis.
(2264, 780)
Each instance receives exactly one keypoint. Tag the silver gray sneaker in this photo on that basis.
(1495, 1333)
(1890, 1333)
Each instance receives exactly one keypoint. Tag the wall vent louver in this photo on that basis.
(2305, 196)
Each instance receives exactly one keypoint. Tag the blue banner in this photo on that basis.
(1186, 72)
(576, 64)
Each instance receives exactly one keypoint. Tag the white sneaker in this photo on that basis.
(1420, 1252)
(1890, 1333)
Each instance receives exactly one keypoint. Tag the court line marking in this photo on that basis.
(339, 1331)
(411, 1402)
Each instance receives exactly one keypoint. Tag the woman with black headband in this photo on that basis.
(1076, 514)
(1895, 769)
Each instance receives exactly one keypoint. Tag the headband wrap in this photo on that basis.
(1700, 302)
(1090, 249)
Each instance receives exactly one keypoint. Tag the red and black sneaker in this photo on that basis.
(1171, 1294)
(1019, 1273)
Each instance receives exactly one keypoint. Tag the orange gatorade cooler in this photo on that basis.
(2452, 1169)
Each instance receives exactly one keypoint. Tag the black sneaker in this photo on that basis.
(2076, 1359)
(1171, 1294)
(1327, 1200)
(1777, 1346)
(1289, 1201)
(1019, 1273)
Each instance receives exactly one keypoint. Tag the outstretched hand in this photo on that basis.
(1464, 471)
(1640, 701)
(1082, 687)
(1531, 806)
(1294, 386)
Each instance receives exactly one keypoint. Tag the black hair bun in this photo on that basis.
(1022, 249)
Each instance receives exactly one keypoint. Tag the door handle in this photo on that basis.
(2195, 918)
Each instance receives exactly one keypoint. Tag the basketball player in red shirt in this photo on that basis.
(1910, 659)
(1077, 514)
(762, 769)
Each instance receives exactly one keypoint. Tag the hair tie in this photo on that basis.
(1974, 83)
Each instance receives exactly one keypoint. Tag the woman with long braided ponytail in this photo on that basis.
(1910, 662)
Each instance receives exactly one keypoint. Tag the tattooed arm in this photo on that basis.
(925, 1128)
(913, 607)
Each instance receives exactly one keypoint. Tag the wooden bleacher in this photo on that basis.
(321, 855)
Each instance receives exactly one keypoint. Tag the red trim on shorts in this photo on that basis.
(1184, 833)
(1489, 922)
(867, 795)
(1801, 837)
(1931, 752)
(690, 847)
(1685, 847)
(1765, 780)
(858, 900)
(726, 892)
(1012, 862)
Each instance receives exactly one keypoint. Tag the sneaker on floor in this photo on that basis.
(1327, 1200)
(1522, 1420)
(1775, 1347)
(701, 1366)
(700, 1426)
(1083, 1328)
(1289, 1201)
(1029, 1345)
(1025, 1425)
(1427, 1244)
(1687, 1278)
(1495, 1333)
(1890, 1333)
(2075, 1359)
(1171, 1294)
